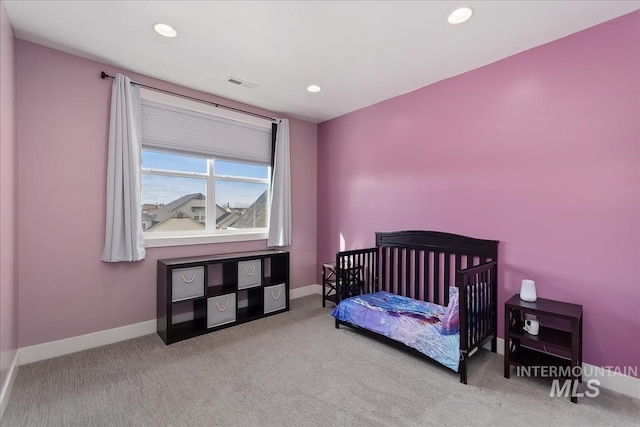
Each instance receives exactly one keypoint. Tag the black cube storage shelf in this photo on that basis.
(198, 295)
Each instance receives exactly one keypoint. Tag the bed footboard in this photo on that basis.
(478, 310)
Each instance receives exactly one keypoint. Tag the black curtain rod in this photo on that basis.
(107, 76)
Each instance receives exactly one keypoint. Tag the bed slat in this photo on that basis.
(436, 277)
(427, 294)
(416, 272)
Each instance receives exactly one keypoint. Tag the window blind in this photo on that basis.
(190, 132)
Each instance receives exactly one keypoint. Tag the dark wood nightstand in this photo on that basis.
(558, 343)
(329, 288)
(352, 277)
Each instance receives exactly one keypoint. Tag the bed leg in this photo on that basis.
(494, 344)
(337, 324)
(463, 369)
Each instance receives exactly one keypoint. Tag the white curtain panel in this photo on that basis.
(124, 240)
(280, 221)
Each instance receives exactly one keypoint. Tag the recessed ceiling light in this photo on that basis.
(460, 15)
(314, 88)
(165, 30)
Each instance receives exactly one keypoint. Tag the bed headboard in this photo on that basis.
(439, 241)
(425, 262)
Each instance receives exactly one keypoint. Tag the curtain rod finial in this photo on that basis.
(104, 75)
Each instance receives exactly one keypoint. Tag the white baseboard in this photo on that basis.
(305, 291)
(8, 385)
(48, 350)
(52, 349)
(625, 384)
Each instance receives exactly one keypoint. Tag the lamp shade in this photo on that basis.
(528, 291)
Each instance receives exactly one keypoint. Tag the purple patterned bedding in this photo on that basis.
(417, 324)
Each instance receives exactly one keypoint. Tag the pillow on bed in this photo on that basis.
(451, 318)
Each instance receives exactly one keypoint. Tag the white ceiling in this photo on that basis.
(359, 52)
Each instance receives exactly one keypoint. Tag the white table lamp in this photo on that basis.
(528, 291)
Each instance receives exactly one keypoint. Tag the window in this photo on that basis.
(175, 190)
(202, 175)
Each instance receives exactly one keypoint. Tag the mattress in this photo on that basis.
(417, 324)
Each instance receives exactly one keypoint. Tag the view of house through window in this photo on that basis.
(200, 195)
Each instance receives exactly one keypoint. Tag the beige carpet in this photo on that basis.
(291, 369)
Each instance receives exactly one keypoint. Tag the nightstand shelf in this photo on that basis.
(525, 356)
(553, 346)
(547, 336)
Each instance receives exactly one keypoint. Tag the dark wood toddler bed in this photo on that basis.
(422, 265)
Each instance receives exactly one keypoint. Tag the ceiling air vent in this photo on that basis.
(237, 81)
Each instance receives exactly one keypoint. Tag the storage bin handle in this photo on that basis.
(225, 306)
(191, 280)
(277, 296)
(253, 271)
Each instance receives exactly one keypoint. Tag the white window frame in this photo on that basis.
(211, 234)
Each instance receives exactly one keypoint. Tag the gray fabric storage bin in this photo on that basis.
(249, 273)
(275, 298)
(187, 283)
(221, 310)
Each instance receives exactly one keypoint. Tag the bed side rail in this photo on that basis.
(356, 272)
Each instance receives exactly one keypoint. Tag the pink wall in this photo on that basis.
(62, 120)
(540, 151)
(8, 196)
